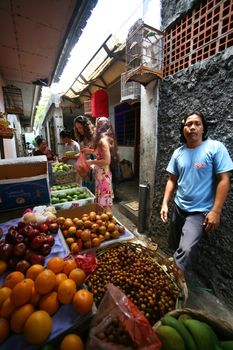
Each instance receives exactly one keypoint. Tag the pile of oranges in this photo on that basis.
(27, 302)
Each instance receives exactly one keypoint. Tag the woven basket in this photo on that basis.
(222, 328)
(162, 260)
(7, 133)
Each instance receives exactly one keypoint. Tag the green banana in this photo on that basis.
(183, 317)
(201, 333)
(170, 338)
(227, 345)
(181, 329)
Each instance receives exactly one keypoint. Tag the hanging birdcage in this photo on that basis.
(131, 90)
(144, 53)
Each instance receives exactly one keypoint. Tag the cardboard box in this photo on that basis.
(78, 212)
(75, 203)
(23, 183)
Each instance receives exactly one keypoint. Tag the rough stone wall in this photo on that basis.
(206, 87)
(172, 10)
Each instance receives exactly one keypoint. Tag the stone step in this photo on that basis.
(130, 210)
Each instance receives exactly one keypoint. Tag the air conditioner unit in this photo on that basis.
(87, 107)
(130, 90)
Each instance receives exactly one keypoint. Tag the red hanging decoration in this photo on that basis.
(99, 104)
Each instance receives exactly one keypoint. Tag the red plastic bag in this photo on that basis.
(81, 165)
(87, 262)
(116, 310)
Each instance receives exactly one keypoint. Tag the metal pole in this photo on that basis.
(142, 212)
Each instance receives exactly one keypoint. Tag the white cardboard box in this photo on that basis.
(23, 183)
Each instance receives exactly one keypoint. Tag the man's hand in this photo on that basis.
(212, 221)
(164, 213)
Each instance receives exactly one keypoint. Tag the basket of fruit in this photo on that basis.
(63, 173)
(193, 329)
(142, 274)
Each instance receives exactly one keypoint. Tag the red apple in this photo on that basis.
(11, 236)
(24, 230)
(19, 238)
(12, 262)
(53, 228)
(45, 249)
(37, 242)
(50, 240)
(22, 266)
(19, 249)
(33, 233)
(43, 228)
(21, 224)
(13, 228)
(6, 251)
(49, 221)
(28, 253)
(36, 259)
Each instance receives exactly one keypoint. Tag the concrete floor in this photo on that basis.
(126, 191)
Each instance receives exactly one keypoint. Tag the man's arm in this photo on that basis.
(212, 219)
(169, 190)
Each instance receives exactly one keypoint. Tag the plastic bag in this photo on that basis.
(81, 165)
(116, 313)
(87, 262)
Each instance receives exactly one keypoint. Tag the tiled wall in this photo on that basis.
(200, 35)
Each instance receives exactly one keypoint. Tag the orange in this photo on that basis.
(34, 271)
(3, 267)
(72, 342)
(35, 297)
(69, 266)
(20, 316)
(5, 292)
(78, 276)
(4, 329)
(22, 292)
(37, 327)
(7, 308)
(83, 301)
(56, 264)
(66, 291)
(13, 278)
(59, 278)
(45, 281)
(49, 303)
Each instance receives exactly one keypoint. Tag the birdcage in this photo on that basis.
(87, 107)
(144, 53)
(131, 90)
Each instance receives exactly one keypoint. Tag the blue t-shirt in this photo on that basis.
(196, 170)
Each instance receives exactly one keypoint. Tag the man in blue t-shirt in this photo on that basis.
(199, 171)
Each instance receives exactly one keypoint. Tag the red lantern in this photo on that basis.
(99, 104)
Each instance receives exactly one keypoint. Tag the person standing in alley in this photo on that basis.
(69, 145)
(199, 171)
(84, 130)
(43, 150)
(107, 157)
(71, 151)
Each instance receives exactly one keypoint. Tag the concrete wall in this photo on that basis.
(207, 87)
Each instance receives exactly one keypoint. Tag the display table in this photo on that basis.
(66, 317)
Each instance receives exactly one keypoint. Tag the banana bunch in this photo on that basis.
(186, 333)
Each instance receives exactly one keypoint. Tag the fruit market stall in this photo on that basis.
(39, 284)
(56, 272)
